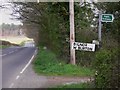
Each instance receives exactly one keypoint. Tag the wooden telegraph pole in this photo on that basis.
(72, 32)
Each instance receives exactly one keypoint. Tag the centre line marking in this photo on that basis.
(7, 54)
(17, 77)
(11, 85)
(10, 52)
(3, 55)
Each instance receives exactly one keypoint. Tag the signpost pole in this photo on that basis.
(99, 29)
(103, 18)
(72, 32)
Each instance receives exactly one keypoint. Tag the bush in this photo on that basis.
(107, 74)
(5, 43)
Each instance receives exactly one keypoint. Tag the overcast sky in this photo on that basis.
(5, 13)
(5, 16)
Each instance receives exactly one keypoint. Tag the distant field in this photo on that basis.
(15, 39)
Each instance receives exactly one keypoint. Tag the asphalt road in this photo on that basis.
(17, 71)
(14, 62)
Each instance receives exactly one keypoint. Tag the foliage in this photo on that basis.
(50, 25)
(51, 29)
(106, 60)
(16, 40)
(10, 29)
(47, 63)
(6, 43)
(3, 46)
(10, 26)
(106, 64)
(115, 10)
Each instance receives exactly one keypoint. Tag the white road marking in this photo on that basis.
(3, 55)
(24, 68)
(12, 51)
(28, 63)
(17, 77)
(8, 53)
(11, 85)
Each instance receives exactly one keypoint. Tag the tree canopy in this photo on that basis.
(48, 24)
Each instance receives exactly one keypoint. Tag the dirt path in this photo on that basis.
(29, 79)
(58, 80)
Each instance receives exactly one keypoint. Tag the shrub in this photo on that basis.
(107, 69)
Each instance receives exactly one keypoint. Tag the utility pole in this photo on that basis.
(72, 32)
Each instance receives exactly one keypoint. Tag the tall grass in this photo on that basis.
(47, 63)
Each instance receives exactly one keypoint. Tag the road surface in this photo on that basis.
(17, 70)
(14, 62)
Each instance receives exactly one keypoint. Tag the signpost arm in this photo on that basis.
(99, 28)
(72, 32)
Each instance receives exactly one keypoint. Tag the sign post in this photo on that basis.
(83, 46)
(103, 18)
(107, 18)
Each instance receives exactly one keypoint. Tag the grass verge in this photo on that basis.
(3, 46)
(46, 63)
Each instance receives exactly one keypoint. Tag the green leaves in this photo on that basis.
(104, 63)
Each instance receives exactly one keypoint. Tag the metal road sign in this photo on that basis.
(107, 18)
(83, 46)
